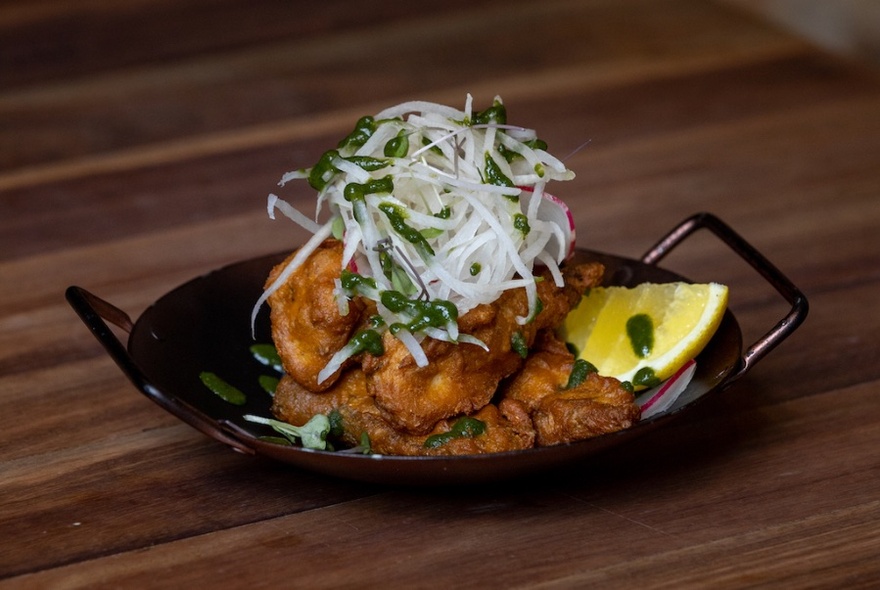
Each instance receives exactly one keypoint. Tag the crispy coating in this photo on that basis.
(307, 327)
(400, 405)
(599, 405)
(460, 379)
(507, 426)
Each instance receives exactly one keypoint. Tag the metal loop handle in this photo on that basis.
(793, 295)
(95, 313)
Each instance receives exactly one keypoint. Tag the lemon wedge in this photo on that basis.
(644, 334)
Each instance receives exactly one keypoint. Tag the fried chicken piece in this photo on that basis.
(296, 405)
(399, 404)
(596, 406)
(307, 327)
(506, 427)
(460, 379)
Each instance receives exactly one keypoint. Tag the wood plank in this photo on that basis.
(156, 198)
(137, 489)
(52, 39)
(646, 499)
(206, 140)
(301, 75)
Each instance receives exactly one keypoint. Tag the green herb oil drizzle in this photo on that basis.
(518, 344)
(225, 391)
(267, 354)
(465, 427)
(579, 372)
(396, 216)
(640, 330)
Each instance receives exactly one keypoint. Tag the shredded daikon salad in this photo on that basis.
(439, 210)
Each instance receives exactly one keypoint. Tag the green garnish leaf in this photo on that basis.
(312, 434)
(365, 446)
(338, 228)
(431, 232)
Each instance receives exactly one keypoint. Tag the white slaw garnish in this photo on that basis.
(438, 204)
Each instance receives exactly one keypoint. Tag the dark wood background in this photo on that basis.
(138, 142)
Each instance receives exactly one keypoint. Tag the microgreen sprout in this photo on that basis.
(313, 434)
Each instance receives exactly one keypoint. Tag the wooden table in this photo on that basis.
(138, 143)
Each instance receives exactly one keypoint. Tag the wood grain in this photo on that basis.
(138, 142)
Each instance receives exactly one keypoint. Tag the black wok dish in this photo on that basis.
(204, 325)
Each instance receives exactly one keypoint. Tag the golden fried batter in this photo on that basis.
(460, 379)
(409, 410)
(307, 327)
(598, 405)
(507, 427)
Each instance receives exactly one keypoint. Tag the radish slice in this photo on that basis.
(555, 211)
(660, 398)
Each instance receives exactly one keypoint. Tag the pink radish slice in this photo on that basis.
(554, 210)
(660, 398)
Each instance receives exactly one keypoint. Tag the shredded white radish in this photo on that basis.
(413, 346)
(291, 213)
(439, 204)
(301, 256)
(336, 361)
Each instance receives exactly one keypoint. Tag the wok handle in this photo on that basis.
(95, 314)
(793, 295)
